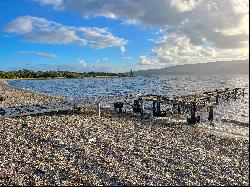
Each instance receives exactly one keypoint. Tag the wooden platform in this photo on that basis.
(36, 109)
(183, 105)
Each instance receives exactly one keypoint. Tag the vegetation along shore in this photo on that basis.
(29, 74)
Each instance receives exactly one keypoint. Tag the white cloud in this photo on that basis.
(123, 50)
(101, 60)
(81, 62)
(41, 30)
(211, 22)
(22, 25)
(55, 3)
(144, 60)
(179, 49)
(127, 57)
(101, 38)
(42, 54)
(183, 6)
(208, 29)
(140, 11)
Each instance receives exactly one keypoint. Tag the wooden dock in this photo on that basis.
(188, 104)
(27, 110)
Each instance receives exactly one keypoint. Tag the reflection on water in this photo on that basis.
(228, 116)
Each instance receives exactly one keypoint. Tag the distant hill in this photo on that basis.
(221, 67)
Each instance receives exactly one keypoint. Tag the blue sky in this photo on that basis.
(119, 35)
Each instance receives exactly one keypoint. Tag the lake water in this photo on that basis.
(232, 117)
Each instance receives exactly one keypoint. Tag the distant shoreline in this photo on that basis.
(41, 75)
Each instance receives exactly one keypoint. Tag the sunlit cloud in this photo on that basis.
(207, 29)
(38, 53)
(40, 30)
(81, 62)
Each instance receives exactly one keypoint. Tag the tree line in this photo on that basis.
(56, 74)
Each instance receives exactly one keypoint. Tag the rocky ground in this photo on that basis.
(82, 149)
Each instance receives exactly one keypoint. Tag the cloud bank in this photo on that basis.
(40, 30)
(191, 30)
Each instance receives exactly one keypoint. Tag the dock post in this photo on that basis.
(153, 107)
(142, 108)
(120, 110)
(158, 104)
(211, 114)
(217, 97)
(173, 107)
(179, 108)
(235, 94)
(243, 92)
(193, 109)
(193, 120)
(228, 96)
(99, 109)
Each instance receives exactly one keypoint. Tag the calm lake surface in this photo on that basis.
(232, 117)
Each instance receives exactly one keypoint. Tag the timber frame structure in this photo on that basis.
(189, 104)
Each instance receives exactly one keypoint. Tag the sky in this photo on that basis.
(119, 35)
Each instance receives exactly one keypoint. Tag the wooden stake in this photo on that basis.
(142, 108)
(153, 107)
(99, 109)
(235, 94)
(158, 104)
(211, 114)
(179, 109)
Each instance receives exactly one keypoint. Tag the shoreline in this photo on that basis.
(80, 148)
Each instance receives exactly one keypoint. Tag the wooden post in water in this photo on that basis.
(243, 92)
(179, 108)
(192, 120)
(158, 104)
(235, 94)
(142, 107)
(153, 107)
(210, 114)
(228, 95)
(217, 97)
(120, 110)
(173, 107)
(98, 109)
(193, 109)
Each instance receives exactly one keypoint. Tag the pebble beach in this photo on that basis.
(83, 149)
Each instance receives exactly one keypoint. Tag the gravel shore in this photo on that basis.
(82, 149)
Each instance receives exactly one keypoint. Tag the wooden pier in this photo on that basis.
(27, 110)
(189, 104)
